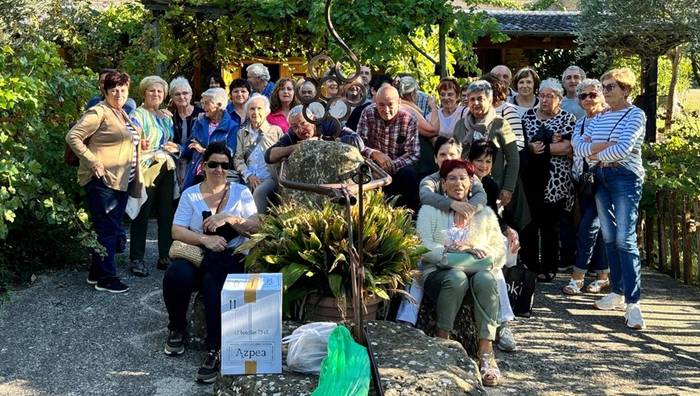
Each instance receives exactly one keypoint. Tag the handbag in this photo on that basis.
(193, 254)
(521, 283)
(466, 262)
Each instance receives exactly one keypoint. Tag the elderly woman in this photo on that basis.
(482, 122)
(464, 253)
(590, 253)
(239, 92)
(283, 99)
(253, 140)
(107, 144)
(547, 180)
(450, 109)
(215, 126)
(612, 143)
(158, 168)
(505, 110)
(183, 120)
(524, 82)
(214, 215)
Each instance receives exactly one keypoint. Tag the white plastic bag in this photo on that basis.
(308, 346)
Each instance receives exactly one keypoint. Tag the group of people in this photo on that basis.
(499, 170)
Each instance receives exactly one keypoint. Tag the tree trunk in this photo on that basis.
(650, 77)
(671, 97)
(696, 68)
(443, 49)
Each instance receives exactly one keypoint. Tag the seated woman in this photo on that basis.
(212, 214)
(455, 243)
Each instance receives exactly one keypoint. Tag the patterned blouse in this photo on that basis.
(559, 185)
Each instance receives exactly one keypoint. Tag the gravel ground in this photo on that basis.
(61, 337)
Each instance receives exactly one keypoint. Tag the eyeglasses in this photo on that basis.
(591, 95)
(216, 164)
(609, 87)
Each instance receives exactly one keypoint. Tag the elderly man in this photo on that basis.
(503, 72)
(375, 83)
(391, 139)
(301, 129)
(259, 78)
(570, 79)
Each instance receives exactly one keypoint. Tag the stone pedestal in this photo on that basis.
(464, 332)
(410, 363)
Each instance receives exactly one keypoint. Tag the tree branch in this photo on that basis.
(414, 45)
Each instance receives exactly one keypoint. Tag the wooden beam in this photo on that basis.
(650, 77)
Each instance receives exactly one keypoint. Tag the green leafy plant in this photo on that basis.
(310, 247)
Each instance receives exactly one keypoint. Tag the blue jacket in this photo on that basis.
(200, 131)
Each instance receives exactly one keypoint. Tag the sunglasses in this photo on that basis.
(609, 87)
(591, 95)
(215, 164)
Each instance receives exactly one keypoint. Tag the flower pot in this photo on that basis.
(325, 309)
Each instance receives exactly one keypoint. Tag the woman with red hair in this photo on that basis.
(464, 254)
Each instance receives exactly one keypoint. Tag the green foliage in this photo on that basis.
(551, 63)
(311, 248)
(685, 71)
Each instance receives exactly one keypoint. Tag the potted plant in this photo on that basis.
(309, 245)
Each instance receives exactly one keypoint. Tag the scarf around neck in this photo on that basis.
(480, 128)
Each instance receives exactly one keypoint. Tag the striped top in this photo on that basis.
(509, 112)
(136, 139)
(628, 136)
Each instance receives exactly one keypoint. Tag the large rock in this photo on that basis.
(318, 162)
(410, 363)
(197, 325)
(464, 331)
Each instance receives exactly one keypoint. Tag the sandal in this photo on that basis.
(546, 278)
(598, 286)
(574, 287)
(490, 374)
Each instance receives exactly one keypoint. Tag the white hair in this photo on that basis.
(553, 84)
(297, 111)
(576, 69)
(481, 86)
(589, 82)
(258, 70)
(180, 83)
(217, 95)
(254, 97)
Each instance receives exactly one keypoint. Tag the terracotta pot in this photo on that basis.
(326, 309)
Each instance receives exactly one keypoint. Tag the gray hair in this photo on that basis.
(574, 68)
(407, 85)
(258, 70)
(554, 85)
(589, 82)
(180, 83)
(256, 96)
(297, 111)
(480, 86)
(217, 95)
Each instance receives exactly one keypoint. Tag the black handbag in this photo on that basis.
(586, 182)
(521, 283)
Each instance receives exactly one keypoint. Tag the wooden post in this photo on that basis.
(687, 244)
(650, 76)
(649, 237)
(675, 245)
(660, 230)
(697, 236)
(442, 37)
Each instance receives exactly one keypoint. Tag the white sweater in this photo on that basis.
(485, 235)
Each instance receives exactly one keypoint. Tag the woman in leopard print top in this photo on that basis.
(547, 179)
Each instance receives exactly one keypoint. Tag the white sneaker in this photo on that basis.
(611, 302)
(633, 317)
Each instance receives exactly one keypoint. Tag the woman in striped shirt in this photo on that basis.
(612, 143)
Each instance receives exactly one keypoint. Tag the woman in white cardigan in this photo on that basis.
(464, 254)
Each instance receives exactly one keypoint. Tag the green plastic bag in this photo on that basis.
(345, 371)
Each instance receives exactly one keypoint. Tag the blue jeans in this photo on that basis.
(589, 241)
(617, 197)
(106, 208)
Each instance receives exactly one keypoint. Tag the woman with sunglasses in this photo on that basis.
(590, 252)
(612, 143)
(215, 215)
(215, 126)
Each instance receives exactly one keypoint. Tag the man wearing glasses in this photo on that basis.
(570, 79)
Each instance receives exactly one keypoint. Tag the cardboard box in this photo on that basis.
(251, 324)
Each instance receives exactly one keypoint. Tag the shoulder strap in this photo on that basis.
(618, 123)
(223, 198)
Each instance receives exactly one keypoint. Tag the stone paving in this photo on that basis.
(61, 337)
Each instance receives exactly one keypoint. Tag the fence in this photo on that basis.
(669, 235)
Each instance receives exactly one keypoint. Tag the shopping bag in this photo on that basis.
(345, 371)
(521, 284)
(308, 346)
